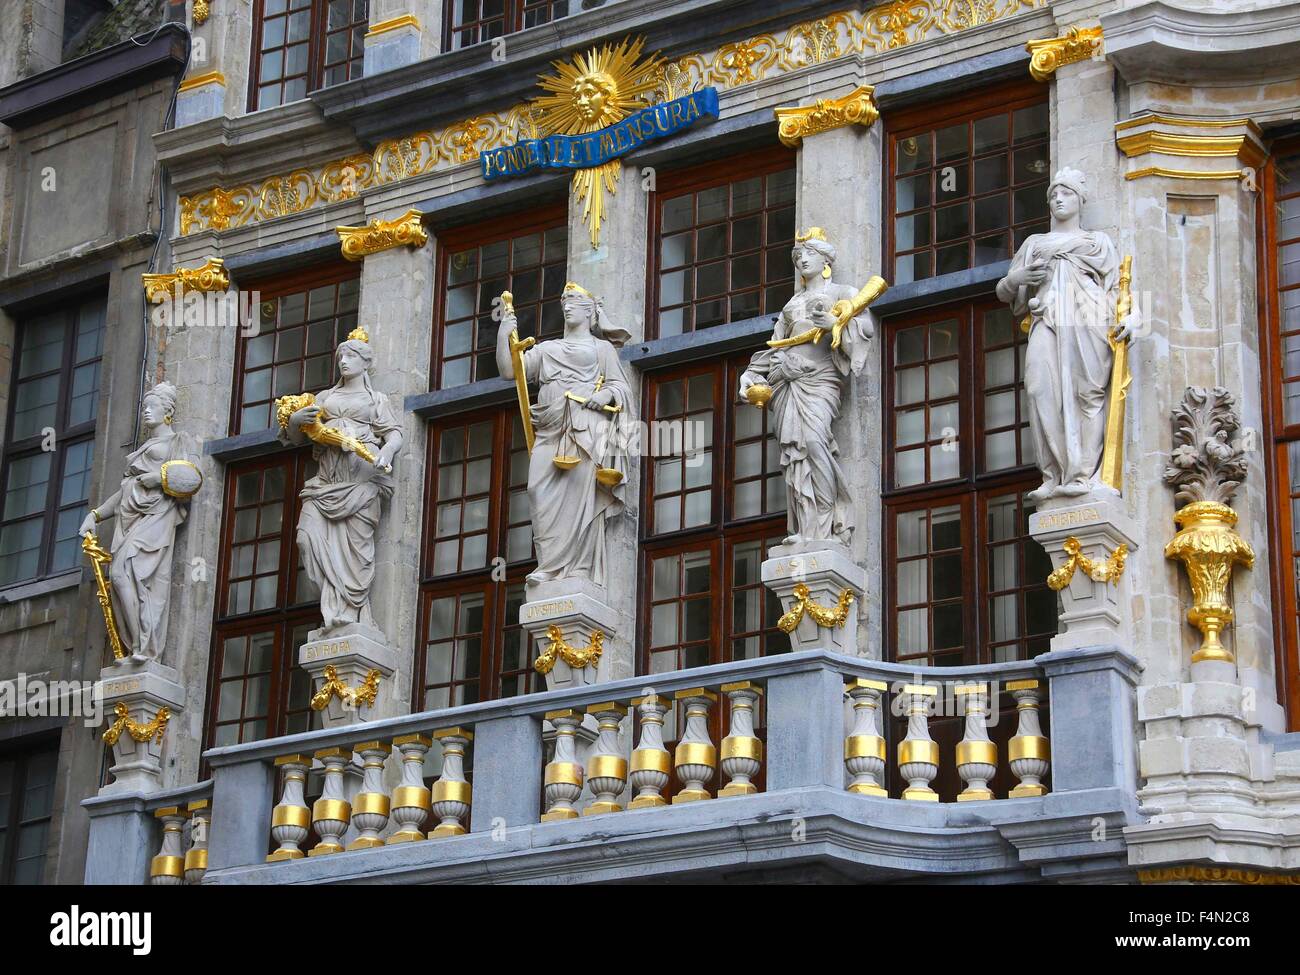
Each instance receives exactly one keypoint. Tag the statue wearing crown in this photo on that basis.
(820, 339)
(577, 433)
(356, 434)
(1072, 290)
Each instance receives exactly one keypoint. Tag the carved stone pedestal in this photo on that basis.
(352, 675)
(578, 613)
(820, 588)
(1083, 538)
(139, 698)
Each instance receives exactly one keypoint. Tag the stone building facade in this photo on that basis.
(920, 136)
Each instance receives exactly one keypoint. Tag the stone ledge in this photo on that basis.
(856, 837)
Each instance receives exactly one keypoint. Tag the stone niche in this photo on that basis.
(78, 208)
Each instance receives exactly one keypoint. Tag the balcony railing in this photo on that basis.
(573, 785)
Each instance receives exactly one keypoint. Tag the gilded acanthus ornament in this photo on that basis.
(576, 657)
(1205, 471)
(1078, 44)
(855, 108)
(1108, 571)
(381, 235)
(202, 9)
(211, 276)
(351, 697)
(153, 729)
(826, 616)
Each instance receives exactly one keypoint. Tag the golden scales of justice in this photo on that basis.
(607, 476)
(843, 312)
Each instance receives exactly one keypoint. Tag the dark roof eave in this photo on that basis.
(94, 77)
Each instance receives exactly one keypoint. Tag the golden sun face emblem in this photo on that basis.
(591, 92)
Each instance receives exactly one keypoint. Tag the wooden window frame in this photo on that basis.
(539, 220)
(280, 619)
(902, 124)
(722, 533)
(513, 15)
(1278, 436)
(971, 490)
(23, 752)
(693, 179)
(496, 592)
(65, 436)
(272, 289)
(317, 39)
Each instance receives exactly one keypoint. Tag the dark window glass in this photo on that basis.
(302, 45)
(26, 805)
(469, 22)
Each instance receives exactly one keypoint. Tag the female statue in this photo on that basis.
(356, 434)
(159, 480)
(818, 341)
(578, 459)
(1066, 281)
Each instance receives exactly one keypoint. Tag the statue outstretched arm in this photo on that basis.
(101, 512)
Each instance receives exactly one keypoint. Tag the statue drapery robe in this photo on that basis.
(806, 394)
(569, 507)
(1068, 359)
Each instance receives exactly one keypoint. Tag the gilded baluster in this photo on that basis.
(411, 799)
(370, 806)
(918, 754)
(451, 793)
(196, 857)
(864, 748)
(1029, 751)
(742, 752)
(331, 813)
(977, 757)
(696, 758)
(563, 779)
(651, 763)
(167, 869)
(606, 766)
(291, 819)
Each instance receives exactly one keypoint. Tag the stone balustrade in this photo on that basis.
(160, 839)
(714, 748)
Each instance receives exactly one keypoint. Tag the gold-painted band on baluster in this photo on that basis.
(695, 753)
(299, 816)
(977, 752)
(607, 767)
(1029, 746)
(411, 797)
(331, 811)
(451, 792)
(742, 747)
(370, 803)
(196, 860)
(167, 866)
(651, 760)
(566, 773)
(922, 750)
(864, 746)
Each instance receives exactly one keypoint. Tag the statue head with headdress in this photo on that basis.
(159, 405)
(354, 355)
(1066, 205)
(812, 255)
(582, 308)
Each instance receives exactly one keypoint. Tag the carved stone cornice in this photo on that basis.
(210, 276)
(858, 107)
(381, 235)
(1189, 874)
(1183, 138)
(1078, 44)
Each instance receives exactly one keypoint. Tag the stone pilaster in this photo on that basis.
(402, 32)
(216, 83)
(840, 191)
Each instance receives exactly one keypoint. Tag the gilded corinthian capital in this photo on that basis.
(381, 235)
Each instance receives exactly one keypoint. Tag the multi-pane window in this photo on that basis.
(480, 263)
(1281, 265)
(967, 185)
(302, 45)
(49, 446)
(966, 582)
(300, 326)
(474, 21)
(266, 606)
(26, 805)
(710, 520)
(472, 647)
(721, 245)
